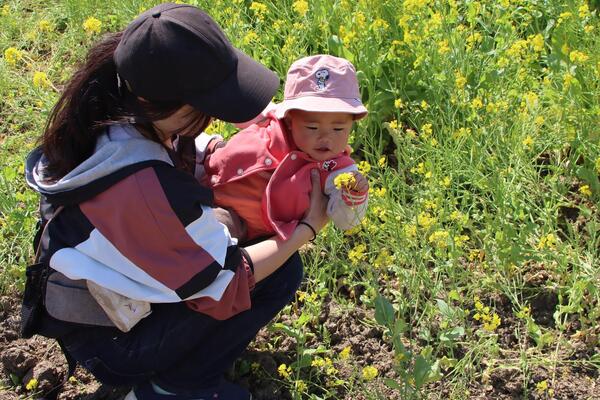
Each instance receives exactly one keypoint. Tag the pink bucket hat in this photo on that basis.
(322, 83)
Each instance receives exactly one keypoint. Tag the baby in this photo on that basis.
(263, 172)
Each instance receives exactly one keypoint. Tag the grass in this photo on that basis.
(482, 150)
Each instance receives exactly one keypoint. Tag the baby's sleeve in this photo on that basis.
(345, 208)
(203, 144)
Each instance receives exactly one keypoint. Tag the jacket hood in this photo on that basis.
(120, 151)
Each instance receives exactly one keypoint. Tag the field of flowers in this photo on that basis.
(476, 272)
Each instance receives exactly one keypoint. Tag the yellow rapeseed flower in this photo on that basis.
(393, 124)
(528, 141)
(425, 220)
(369, 373)
(588, 29)
(490, 324)
(426, 130)
(300, 386)
(410, 230)
(563, 17)
(40, 80)
(45, 26)
(32, 384)
(345, 353)
(5, 10)
(547, 242)
(518, 49)
(344, 180)
(259, 9)
(477, 103)
(398, 103)
(284, 371)
(568, 80)
(380, 24)
(92, 25)
(541, 387)
(382, 162)
(578, 57)
(537, 43)
(383, 259)
(357, 254)
(250, 37)
(443, 47)
(364, 167)
(439, 238)
(12, 56)
(301, 7)
(539, 120)
(459, 80)
(584, 10)
(585, 190)
(424, 105)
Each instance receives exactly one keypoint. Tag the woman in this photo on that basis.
(123, 212)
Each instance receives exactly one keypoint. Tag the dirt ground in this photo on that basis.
(40, 358)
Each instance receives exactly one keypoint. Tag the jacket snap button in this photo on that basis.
(294, 156)
(268, 161)
(240, 171)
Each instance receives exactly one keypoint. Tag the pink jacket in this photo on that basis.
(267, 147)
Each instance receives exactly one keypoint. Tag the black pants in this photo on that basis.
(180, 349)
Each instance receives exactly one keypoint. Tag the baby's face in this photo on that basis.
(321, 135)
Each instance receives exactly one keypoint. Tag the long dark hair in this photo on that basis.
(92, 100)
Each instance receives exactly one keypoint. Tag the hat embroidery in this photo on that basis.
(328, 165)
(322, 75)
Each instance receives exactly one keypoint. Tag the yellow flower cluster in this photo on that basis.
(301, 7)
(369, 373)
(491, 321)
(92, 25)
(578, 57)
(364, 167)
(383, 259)
(345, 353)
(547, 242)
(259, 9)
(357, 254)
(284, 371)
(32, 384)
(324, 363)
(585, 190)
(425, 220)
(40, 80)
(45, 26)
(537, 42)
(344, 180)
(12, 56)
(439, 239)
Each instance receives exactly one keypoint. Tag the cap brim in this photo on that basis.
(322, 104)
(242, 95)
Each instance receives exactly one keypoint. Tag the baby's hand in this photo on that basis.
(361, 184)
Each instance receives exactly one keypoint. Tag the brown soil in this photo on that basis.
(41, 358)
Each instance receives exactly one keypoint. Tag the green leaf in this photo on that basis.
(422, 368)
(384, 312)
(392, 384)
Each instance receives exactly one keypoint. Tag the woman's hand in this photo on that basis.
(316, 215)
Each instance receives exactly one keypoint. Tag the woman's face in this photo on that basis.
(183, 122)
(321, 135)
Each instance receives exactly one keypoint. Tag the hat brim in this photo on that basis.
(242, 95)
(322, 104)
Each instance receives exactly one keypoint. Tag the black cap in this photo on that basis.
(177, 52)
